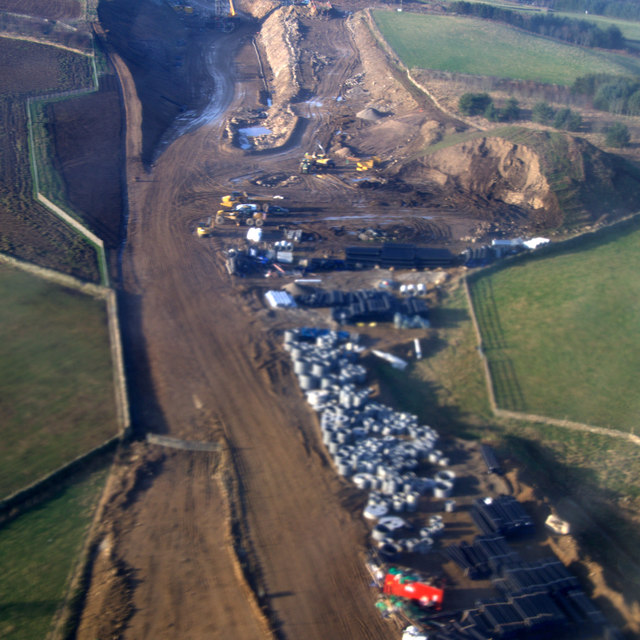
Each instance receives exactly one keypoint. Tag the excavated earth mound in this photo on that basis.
(560, 180)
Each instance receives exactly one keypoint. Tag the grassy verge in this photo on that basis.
(38, 551)
(55, 371)
(445, 389)
(473, 46)
(561, 333)
(50, 182)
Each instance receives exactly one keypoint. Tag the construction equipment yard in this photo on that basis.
(226, 515)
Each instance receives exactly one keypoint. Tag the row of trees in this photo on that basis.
(563, 118)
(581, 32)
(476, 104)
(615, 94)
(629, 9)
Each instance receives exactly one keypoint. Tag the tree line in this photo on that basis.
(629, 9)
(481, 104)
(615, 94)
(581, 32)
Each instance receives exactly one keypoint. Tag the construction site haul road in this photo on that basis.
(289, 123)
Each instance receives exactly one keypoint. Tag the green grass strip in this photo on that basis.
(38, 550)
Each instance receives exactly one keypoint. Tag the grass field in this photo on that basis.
(38, 551)
(479, 47)
(561, 331)
(57, 398)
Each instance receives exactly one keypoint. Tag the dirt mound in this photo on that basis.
(258, 8)
(279, 38)
(560, 180)
(371, 114)
(495, 169)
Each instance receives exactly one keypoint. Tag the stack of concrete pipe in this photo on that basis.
(375, 446)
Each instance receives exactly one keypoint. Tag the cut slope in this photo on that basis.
(562, 181)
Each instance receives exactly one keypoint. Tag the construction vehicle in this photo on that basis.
(365, 165)
(316, 161)
(248, 214)
(236, 198)
(205, 229)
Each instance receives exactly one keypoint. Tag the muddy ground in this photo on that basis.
(262, 539)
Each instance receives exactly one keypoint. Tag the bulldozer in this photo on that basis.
(316, 161)
(247, 214)
(236, 198)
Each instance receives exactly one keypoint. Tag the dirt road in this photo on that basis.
(215, 376)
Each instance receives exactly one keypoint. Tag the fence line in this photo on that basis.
(531, 417)
(185, 445)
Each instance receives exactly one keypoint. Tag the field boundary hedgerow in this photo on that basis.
(519, 415)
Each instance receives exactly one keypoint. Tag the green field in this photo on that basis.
(38, 550)
(57, 398)
(479, 47)
(561, 331)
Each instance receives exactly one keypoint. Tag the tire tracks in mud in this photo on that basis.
(281, 533)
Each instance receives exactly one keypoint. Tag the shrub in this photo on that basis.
(542, 113)
(511, 110)
(474, 104)
(617, 135)
(567, 119)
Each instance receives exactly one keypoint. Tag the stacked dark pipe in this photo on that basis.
(485, 557)
(539, 599)
(400, 256)
(503, 515)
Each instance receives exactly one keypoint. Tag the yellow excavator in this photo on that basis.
(316, 161)
(366, 165)
(205, 229)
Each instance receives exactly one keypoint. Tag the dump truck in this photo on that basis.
(366, 165)
(236, 198)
